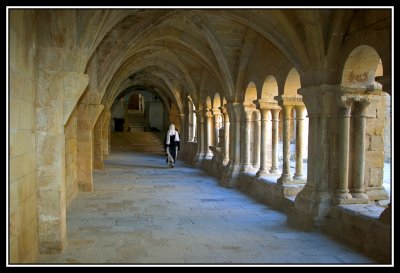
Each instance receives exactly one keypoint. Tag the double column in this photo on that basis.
(288, 103)
(356, 105)
(268, 109)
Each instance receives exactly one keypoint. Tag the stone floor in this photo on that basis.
(142, 212)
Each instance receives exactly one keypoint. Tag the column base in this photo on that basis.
(285, 178)
(230, 176)
(275, 171)
(246, 167)
(262, 173)
(343, 198)
(299, 177)
(360, 195)
(310, 208)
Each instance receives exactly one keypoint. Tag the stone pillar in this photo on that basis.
(56, 97)
(200, 136)
(286, 176)
(358, 190)
(217, 125)
(105, 135)
(299, 143)
(226, 136)
(313, 202)
(97, 144)
(88, 113)
(246, 161)
(209, 135)
(344, 130)
(275, 131)
(232, 170)
(257, 140)
(263, 164)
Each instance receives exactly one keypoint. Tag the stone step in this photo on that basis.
(146, 142)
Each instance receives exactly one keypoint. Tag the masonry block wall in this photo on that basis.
(22, 184)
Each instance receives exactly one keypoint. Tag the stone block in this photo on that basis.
(375, 177)
(374, 159)
(26, 116)
(22, 165)
(376, 193)
(27, 187)
(49, 204)
(13, 195)
(25, 140)
(376, 143)
(84, 164)
(14, 251)
(374, 126)
(51, 240)
(14, 113)
(29, 211)
(15, 223)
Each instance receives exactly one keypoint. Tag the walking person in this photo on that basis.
(172, 145)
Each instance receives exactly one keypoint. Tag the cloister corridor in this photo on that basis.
(282, 118)
(142, 212)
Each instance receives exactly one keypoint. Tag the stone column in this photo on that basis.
(358, 190)
(105, 135)
(226, 135)
(299, 143)
(56, 97)
(97, 144)
(232, 170)
(263, 164)
(246, 162)
(257, 140)
(200, 136)
(286, 176)
(344, 130)
(217, 124)
(275, 131)
(88, 113)
(209, 135)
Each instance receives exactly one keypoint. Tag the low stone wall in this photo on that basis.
(267, 191)
(359, 226)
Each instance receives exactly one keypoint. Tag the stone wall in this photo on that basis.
(71, 160)
(359, 225)
(23, 225)
(387, 138)
(374, 147)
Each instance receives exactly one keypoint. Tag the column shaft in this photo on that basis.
(263, 155)
(275, 131)
(246, 163)
(358, 190)
(299, 143)
(286, 176)
(344, 129)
